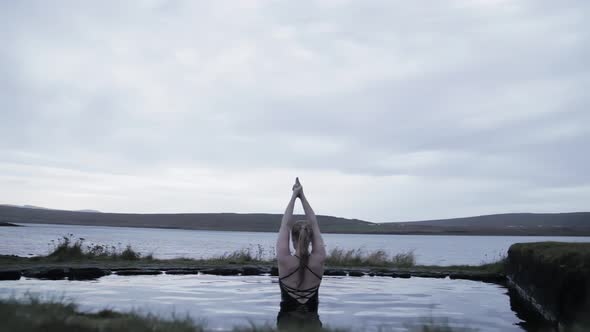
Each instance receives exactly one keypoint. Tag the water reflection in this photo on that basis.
(370, 303)
(298, 320)
(531, 320)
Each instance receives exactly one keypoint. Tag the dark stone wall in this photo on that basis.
(553, 278)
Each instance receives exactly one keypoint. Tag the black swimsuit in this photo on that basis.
(294, 313)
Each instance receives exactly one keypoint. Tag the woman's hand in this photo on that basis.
(297, 188)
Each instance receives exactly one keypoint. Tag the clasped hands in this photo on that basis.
(298, 189)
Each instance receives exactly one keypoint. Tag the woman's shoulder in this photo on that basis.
(287, 264)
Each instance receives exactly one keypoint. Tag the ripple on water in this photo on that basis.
(225, 301)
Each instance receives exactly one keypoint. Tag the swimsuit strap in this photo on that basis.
(311, 289)
(290, 274)
(299, 294)
(297, 269)
(310, 270)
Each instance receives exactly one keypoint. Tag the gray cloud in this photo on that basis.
(390, 110)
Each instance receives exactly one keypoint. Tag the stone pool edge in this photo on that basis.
(84, 272)
(553, 280)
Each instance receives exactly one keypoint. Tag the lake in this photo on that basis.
(35, 239)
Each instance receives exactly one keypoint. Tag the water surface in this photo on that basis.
(35, 239)
(365, 303)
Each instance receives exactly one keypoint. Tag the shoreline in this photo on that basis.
(13, 268)
(442, 233)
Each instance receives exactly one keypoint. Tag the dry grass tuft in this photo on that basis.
(358, 257)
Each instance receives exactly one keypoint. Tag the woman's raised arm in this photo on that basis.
(283, 239)
(317, 242)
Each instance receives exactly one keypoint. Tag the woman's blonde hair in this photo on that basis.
(301, 233)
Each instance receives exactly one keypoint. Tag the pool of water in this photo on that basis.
(365, 303)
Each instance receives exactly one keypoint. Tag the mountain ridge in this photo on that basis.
(566, 224)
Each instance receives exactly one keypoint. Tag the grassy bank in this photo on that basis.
(576, 255)
(498, 266)
(554, 276)
(71, 252)
(34, 315)
(68, 249)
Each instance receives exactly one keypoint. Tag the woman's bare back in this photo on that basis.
(289, 276)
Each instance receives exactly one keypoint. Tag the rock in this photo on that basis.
(429, 275)
(356, 273)
(382, 274)
(496, 279)
(50, 274)
(461, 275)
(10, 275)
(485, 277)
(274, 271)
(252, 271)
(138, 272)
(334, 272)
(403, 275)
(223, 271)
(183, 271)
(86, 273)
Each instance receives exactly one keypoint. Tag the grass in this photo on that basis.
(246, 256)
(336, 257)
(358, 257)
(68, 248)
(77, 253)
(497, 267)
(573, 255)
(34, 315)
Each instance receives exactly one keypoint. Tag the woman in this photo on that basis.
(300, 274)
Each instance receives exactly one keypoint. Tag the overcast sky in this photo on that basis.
(386, 110)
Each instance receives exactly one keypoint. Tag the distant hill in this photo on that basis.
(573, 219)
(574, 224)
(44, 208)
(258, 222)
(566, 224)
